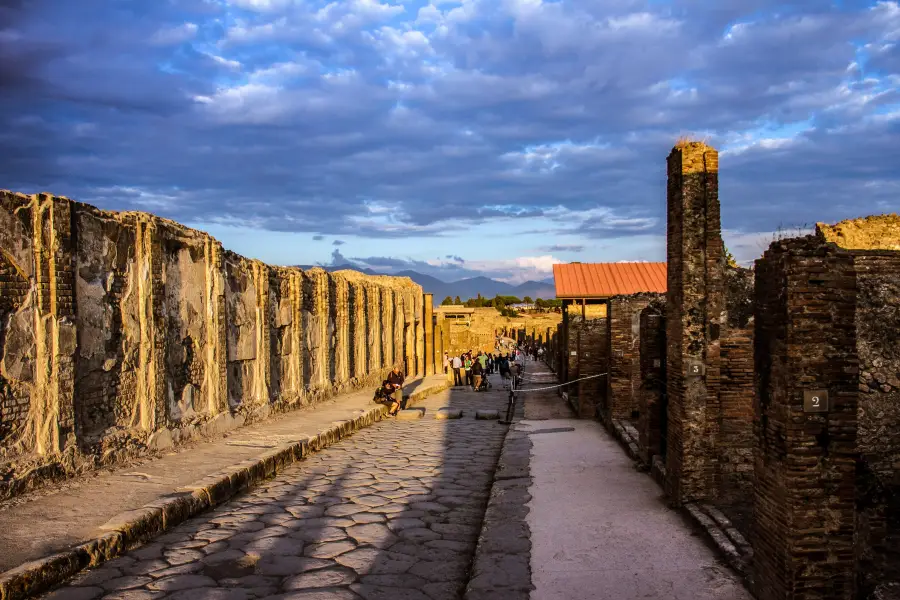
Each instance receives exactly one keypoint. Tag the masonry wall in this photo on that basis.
(805, 462)
(624, 381)
(125, 332)
(878, 479)
(651, 393)
(587, 356)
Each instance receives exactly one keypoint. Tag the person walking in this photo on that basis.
(477, 373)
(467, 365)
(457, 367)
(446, 362)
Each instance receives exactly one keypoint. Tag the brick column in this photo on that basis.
(624, 356)
(696, 306)
(653, 380)
(806, 423)
(428, 328)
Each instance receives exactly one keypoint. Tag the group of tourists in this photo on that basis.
(471, 369)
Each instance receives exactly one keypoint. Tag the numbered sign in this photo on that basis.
(695, 369)
(815, 401)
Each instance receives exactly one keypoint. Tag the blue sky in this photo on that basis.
(452, 137)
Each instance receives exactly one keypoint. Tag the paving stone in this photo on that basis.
(210, 594)
(332, 577)
(222, 557)
(371, 500)
(445, 590)
(344, 510)
(289, 565)
(440, 570)
(419, 534)
(368, 518)
(179, 570)
(76, 593)
(320, 534)
(97, 576)
(376, 592)
(371, 560)
(181, 582)
(134, 595)
(275, 545)
(144, 567)
(430, 507)
(323, 594)
(126, 583)
(405, 523)
(329, 549)
(399, 580)
(179, 557)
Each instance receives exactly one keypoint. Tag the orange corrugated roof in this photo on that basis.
(601, 280)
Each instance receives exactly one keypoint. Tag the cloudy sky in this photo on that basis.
(455, 137)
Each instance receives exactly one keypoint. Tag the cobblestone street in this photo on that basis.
(392, 512)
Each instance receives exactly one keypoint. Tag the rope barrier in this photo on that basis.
(560, 384)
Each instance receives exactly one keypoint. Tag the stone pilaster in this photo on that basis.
(429, 351)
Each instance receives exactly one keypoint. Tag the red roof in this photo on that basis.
(601, 280)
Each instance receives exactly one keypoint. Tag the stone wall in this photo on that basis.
(125, 332)
(586, 355)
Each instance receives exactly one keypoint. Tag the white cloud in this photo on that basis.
(178, 34)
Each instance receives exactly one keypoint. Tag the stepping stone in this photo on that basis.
(487, 414)
(411, 413)
(448, 413)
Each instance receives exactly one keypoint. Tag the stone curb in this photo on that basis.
(501, 567)
(728, 540)
(129, 529)
(627, 436)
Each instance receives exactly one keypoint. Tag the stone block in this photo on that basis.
(161, 440)
(487, 415)
(411, 413)
(448, 413)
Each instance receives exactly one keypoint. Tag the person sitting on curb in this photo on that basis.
(392, 385)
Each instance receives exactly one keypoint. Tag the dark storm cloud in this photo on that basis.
(393, 123)
(338, 243)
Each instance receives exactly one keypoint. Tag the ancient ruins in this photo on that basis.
(122, 333)
(765, 401)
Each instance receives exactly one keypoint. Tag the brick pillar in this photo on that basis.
(696, 306)
(805, 461)
(428, 328)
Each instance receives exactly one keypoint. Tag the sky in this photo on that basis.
(452, 137)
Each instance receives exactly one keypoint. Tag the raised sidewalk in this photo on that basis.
(49, 535)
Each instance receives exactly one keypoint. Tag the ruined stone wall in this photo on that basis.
(125, 332)
(805, 462)
(878, 483)
(651, 394)
(624, 381)
(734, 446)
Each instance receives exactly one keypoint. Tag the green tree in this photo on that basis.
(527, 299)
(447, 301)
(457, 301)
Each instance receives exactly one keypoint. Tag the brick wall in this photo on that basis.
(695, 309)
(624, 381)
(651, 394)
(805, 342)
(148, 330)
(734, 446)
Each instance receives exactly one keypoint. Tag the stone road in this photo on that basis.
(392, 512)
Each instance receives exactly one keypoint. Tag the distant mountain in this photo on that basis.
(464, 288)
